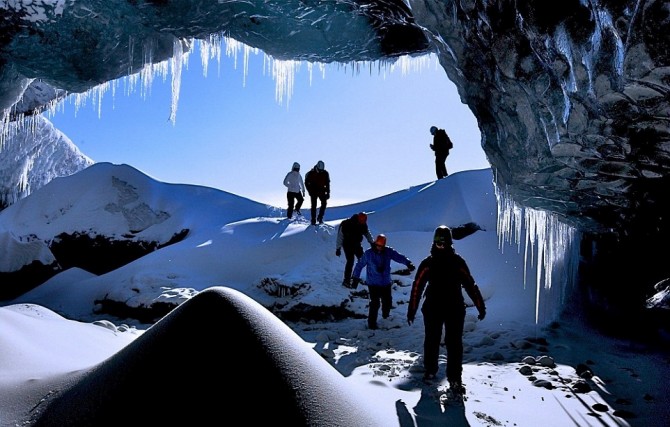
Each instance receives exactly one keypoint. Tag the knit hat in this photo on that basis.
(362, 218)
(320, 166)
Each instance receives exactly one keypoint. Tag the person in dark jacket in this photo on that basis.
(442, 274)
(441, 146)
(317, 182)
(377, 262)
(350, 235)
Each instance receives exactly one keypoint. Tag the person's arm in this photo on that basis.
(418, 285)
(340, 238)
(358, 268)
(287, 181)
(368, 236)
(471, 288)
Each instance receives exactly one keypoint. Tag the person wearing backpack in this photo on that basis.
(377, 262)
(442, 274)
(317, 182)
(350, 235)
(295, 193)
(441, 146)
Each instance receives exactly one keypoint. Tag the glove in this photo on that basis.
(410, 320)
(411, 267)
(338, 252)
(482, 314)
(354, 282)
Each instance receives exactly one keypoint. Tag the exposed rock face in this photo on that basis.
(572, 97)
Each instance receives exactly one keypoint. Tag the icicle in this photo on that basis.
(552, 246)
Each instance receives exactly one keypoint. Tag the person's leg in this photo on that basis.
(298, 205)
(373, 311)
(431, 342)
(349, 265)
(322, 209)
(291, 201)
(387, 301)
(313, 199)
(440, 166)
(453, 340)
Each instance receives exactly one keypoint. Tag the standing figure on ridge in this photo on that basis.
(377, 261)
(317, 181)
(441, 146)
(295, 193)
(350, 234)
(445, 272)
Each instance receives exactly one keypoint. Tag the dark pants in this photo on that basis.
(322, 209)
(349, 253)
(379, 294)
(451, 321)
(441, 166)
(292, 197)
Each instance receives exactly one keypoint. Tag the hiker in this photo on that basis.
(350, 234)
(295, 193)
(377, 261)
(441, 146)
(444, 272)
(317, 181)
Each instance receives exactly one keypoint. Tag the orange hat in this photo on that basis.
(362, 218)
(380, 240)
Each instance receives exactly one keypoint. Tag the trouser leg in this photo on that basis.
(349, 254)
(300, 199)
(453, 340)
(291, 201)
(313, 200)
(373, 311)
(387, 301)
(322, 209)
(431, 342)
(440, 166)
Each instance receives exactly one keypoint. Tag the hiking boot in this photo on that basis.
(372, 325)
(346, 283)
(313, 222)
(297, 211)
(457, 388)
(428, 376)
(320, 221)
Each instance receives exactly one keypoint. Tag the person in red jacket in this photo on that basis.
(317, 182)
(442, 274)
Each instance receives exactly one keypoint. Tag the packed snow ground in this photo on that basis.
(517, 372)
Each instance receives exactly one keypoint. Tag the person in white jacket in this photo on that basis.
(295, 190)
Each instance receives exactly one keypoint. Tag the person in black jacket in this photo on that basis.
(445, 273)
(441, 146)
(350, 235)
(317, 182)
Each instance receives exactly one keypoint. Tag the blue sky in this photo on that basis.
(369, 127)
